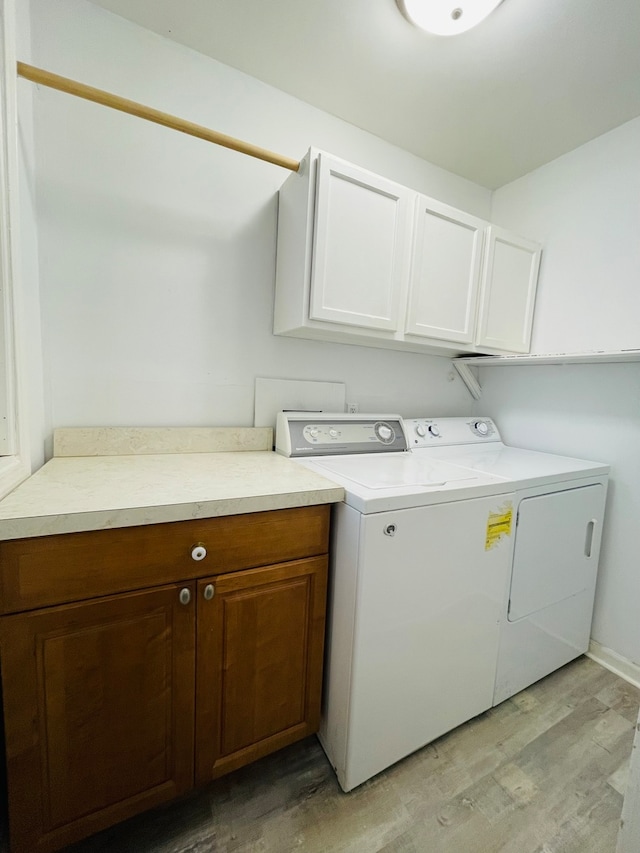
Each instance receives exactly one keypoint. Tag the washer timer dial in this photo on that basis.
(384, 433)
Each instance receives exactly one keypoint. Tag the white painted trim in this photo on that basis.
(15, 464)
(7, 119)
(614, 662)
(629, 834)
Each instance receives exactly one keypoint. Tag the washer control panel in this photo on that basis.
(431, 432)
(322, 434)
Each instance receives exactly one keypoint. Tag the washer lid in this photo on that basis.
(397, 471)
(401, 481)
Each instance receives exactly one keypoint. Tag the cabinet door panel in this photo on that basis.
(361, 247)
(271, 668)
(98, 703)
(445, 273)
(260, 643)
(509, 282)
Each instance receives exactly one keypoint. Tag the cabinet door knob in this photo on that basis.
(185, 595)
(209, 591)
(198, 552)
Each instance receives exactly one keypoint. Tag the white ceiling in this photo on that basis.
(536, 79)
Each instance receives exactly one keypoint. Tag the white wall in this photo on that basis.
(585, 209)
(157, 251)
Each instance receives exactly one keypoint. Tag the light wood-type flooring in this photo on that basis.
(542, 773)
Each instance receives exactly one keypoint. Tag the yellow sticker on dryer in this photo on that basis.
(498, 525)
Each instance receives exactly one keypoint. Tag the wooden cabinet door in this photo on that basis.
(361, 246)
(509, 282)
(445, 272)
(98, 702)
(260, 644)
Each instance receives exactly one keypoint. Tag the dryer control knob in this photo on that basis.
(421, 430)
(434, 429)
(481, 427)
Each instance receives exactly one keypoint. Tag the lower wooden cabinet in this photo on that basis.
(115, 704)
(98, 704)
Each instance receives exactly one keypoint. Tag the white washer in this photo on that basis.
(559, 506)
(421, 554)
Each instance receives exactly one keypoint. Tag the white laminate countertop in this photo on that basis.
(78, 493)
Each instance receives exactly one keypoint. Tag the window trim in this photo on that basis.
(15, 463)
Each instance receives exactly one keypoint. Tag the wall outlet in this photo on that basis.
(352, 408)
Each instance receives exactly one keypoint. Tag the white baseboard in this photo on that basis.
(616, 663)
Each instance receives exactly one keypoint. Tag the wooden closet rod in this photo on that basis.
(63, 84)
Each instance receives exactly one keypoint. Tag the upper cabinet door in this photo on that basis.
(509, 282)
(361, 246)
(445, 272)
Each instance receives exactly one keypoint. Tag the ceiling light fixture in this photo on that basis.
(446, 17)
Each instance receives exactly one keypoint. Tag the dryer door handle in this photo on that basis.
(588, 542)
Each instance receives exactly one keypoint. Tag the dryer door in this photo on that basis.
(556, 548)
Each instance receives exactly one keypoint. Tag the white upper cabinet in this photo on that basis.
(509, 281)
(445, 272)
(360, 248)
(363, 260)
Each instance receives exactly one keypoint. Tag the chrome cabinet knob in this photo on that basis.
(185, 595)
(209, 591)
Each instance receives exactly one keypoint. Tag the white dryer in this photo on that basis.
(559, 508)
